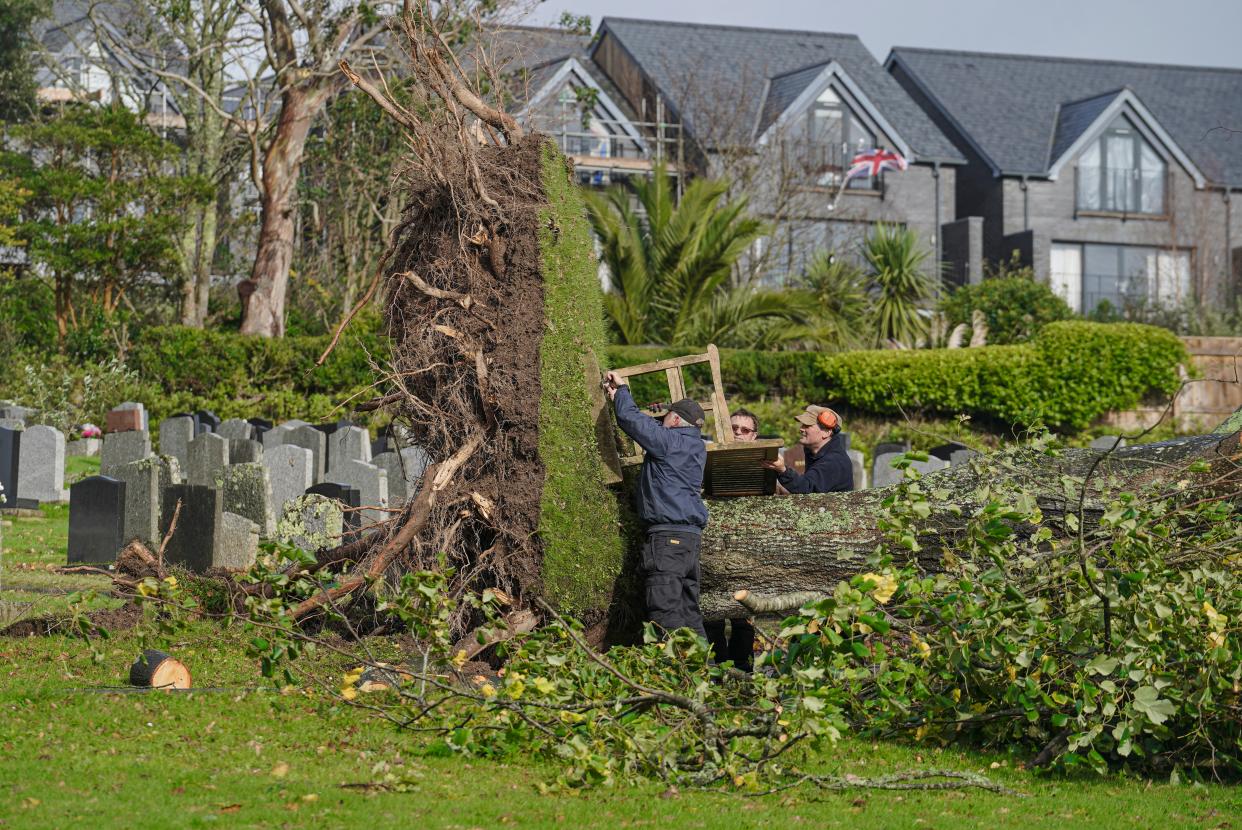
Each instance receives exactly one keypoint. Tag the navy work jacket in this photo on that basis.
(671, 479)
(828, 471)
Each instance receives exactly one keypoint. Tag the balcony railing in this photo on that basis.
(1121, 190)
(820, 164)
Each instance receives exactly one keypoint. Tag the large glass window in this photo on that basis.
(834, 136)
(1120, 172)
(1124, 276)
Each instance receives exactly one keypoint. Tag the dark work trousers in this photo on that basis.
(740, 645)
(671, 574)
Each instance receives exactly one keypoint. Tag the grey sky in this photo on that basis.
(1198, 32)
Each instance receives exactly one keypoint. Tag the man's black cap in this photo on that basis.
(689, 410)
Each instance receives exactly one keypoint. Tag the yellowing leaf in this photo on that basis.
(885, 586)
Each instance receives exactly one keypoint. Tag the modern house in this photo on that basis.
(1113, 180)
(782, 113)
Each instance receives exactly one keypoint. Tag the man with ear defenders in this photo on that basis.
(828, 468)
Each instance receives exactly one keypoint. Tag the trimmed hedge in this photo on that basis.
(1069, 375)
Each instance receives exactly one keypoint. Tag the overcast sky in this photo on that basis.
(1199, 32)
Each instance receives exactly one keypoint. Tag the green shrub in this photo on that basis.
(1068, 376)
(1016, 307)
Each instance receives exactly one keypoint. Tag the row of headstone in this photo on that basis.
(883, 474)
(32, 466)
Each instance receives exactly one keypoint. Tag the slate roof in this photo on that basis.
(1009, 105)
(1075, 118)
(782, 91)
(712, 74)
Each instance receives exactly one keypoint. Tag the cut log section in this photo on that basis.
(157, 670)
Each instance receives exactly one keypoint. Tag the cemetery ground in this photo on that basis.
(81, 749)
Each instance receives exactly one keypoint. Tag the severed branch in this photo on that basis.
(777, 603)
(481, 639)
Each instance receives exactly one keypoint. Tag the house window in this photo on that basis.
(1124, 276)
(834, 136)
(1120, 172)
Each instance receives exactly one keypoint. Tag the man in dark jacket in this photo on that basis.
(669, 503)
(828, 468)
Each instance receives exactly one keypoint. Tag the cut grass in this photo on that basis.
(77, 753)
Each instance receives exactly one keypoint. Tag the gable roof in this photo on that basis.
(1016, 110)
(720, 79)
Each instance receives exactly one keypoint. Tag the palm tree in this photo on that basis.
(837, 288)
(670, 266)
(900, 287)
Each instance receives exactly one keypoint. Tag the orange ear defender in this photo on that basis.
(829, 420)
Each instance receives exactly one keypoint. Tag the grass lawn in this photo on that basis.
(78, 751)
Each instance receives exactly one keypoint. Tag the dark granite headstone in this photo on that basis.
(351, 497)
(10, 447)
(96, 519)
(945, 451)
(261, 425)
(380, 446)
(199, 524)
(243, 451)
(208, 420)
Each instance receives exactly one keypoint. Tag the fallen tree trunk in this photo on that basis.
(777, 545)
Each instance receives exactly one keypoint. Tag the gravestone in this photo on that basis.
(882, 472)
(315, 441)
(311, 522)
(238, 544)
(279, 434)
(208, 456)
(262, 426)
(405, 471)
(896, 448)
(15, 424)
(860, 469)
(1107, 443)
(348, 443)
(248, 492)
(145, 482)
(961, 457)
(41, 465)
(123, 447)
(244, 451)
(350, 500)
(124, 420)
(96, 520)
(137, 407)
(84, 447)
(931, 465)
(199, 429)
(195, 540)
(380, 446)
(945, 451)
(10, 452)
(370, 481)
(236, 428)
(176, 433)
(12, 411)
(207, 420)
(291, 471)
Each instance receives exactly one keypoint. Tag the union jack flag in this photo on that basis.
(871, 162)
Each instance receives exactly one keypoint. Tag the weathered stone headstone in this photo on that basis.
(945, 451)
(1108, 443)
(96, 519)
(248, 492)
(961, 457)
(195, 540)
(176, 433)
(87, 447)
(145, 481)
(278, 435)
(138, 407)
(315, 441)
(311, 522)
(291, 471)
(350, 500)
(882, 472)
(348, 443)
(370, 481)
(405, 471)
(124, 420)
(244, 451)
(41, 465)
(15, 424)
(236, 428)
(931, 465)
(15, 412)
(860, 469)
(896, 448)
(208, 456)
(238, 543)
(123, 447)
(10, 452)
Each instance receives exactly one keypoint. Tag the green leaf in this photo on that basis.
(1148, 701)
(1102, 665)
